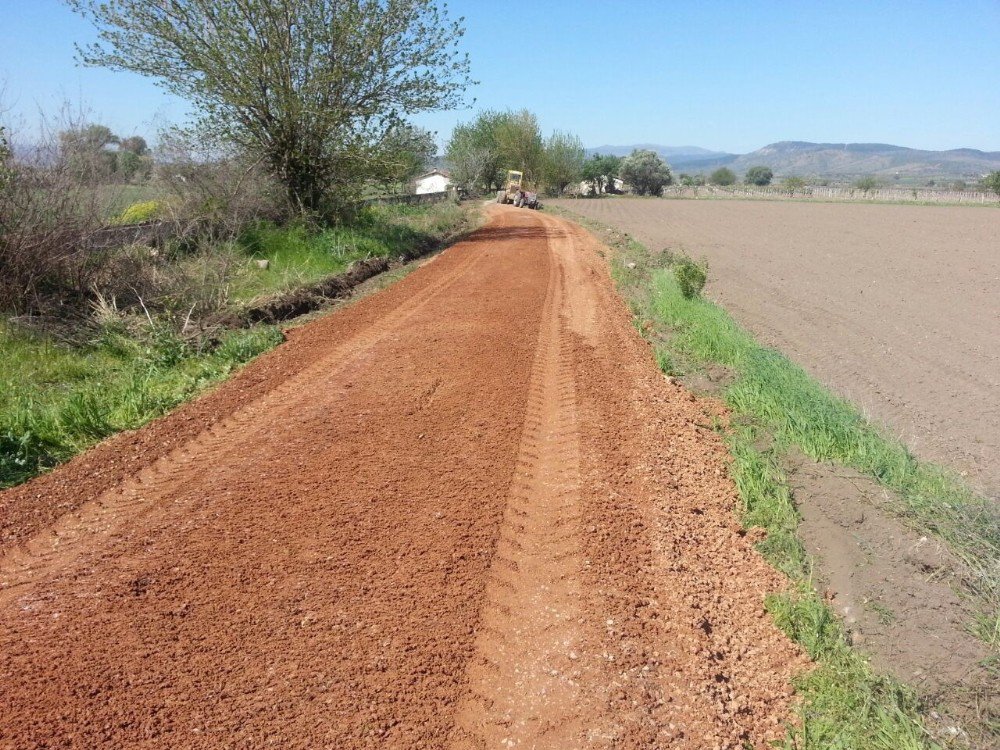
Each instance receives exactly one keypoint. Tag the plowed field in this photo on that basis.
(464, 512)
(896, 308)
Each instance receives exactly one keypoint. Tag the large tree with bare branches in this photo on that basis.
(316, 89)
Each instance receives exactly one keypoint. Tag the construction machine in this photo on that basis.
(516, 193)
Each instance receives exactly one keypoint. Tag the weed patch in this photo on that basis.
(58, 400)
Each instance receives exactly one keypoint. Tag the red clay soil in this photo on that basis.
(465, 512)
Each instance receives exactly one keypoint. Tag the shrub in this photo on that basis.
(992, 182)
(722, 176)
(792, 184)
(139, 213)
(691, 275)
(867, 184)
(759, 176)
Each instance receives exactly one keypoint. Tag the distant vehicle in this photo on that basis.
(515, 192)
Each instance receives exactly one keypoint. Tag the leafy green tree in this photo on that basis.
(759, 176)
(480, 152)
(408, 151)
(519, 140)
(646, 172)
(958, 186)
(309, 87)
(600, 170)
(85, 154)
(564, 158)
(688, 180)
(992, 182)
(722, 176)
(793, 184)
(473, 152)
(136, 144)
(867, 184)
(128, 164)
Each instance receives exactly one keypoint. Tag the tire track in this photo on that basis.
(532, 682)
(156, 490)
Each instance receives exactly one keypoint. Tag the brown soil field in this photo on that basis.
(466, 511)
(896, 308)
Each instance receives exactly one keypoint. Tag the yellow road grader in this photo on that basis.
(516, 193)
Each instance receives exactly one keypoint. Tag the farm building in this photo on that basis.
(435, 181)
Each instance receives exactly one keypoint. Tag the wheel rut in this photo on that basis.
(531, 683)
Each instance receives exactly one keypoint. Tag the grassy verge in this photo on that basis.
(298, 256)
(845, 705)
(58, 400)
(124, 369)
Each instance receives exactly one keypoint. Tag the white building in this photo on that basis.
(587, 189)
(435, 181)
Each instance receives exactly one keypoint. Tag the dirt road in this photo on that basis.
(466, 512)
(894, 307)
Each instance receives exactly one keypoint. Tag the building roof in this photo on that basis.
(442, 172)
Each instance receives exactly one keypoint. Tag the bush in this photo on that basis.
(867, 184)
(691, 275)
(759, 176)
(139, 213)
(722, 176)
(992, 182)
(793, 184)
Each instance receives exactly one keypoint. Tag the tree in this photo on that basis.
(759, 176)
(722, 176)
(481, 151)
(6, 180)
(520, 146)
(474, 152)
(793, 184)
(992, 182)
(309, 87)
(867, 184)
(646, 172)
(564, 157)
(600, 170)
(135, 144)
(408, 151)
(128, 164)
(5, 159)
(84, 152)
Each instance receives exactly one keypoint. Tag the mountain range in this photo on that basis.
(829, 159)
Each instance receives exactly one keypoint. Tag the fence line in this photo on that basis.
(894, 195)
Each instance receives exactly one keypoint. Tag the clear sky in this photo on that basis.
(730, 76)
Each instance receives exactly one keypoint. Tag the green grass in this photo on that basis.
(775, 403)
(844, 704)
(57, 400)
(298, 255)
(780, 396)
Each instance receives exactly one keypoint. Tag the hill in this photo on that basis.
(856, 159)
(844, 160)
(675, 155)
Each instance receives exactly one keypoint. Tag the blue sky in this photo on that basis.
(730, 76)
